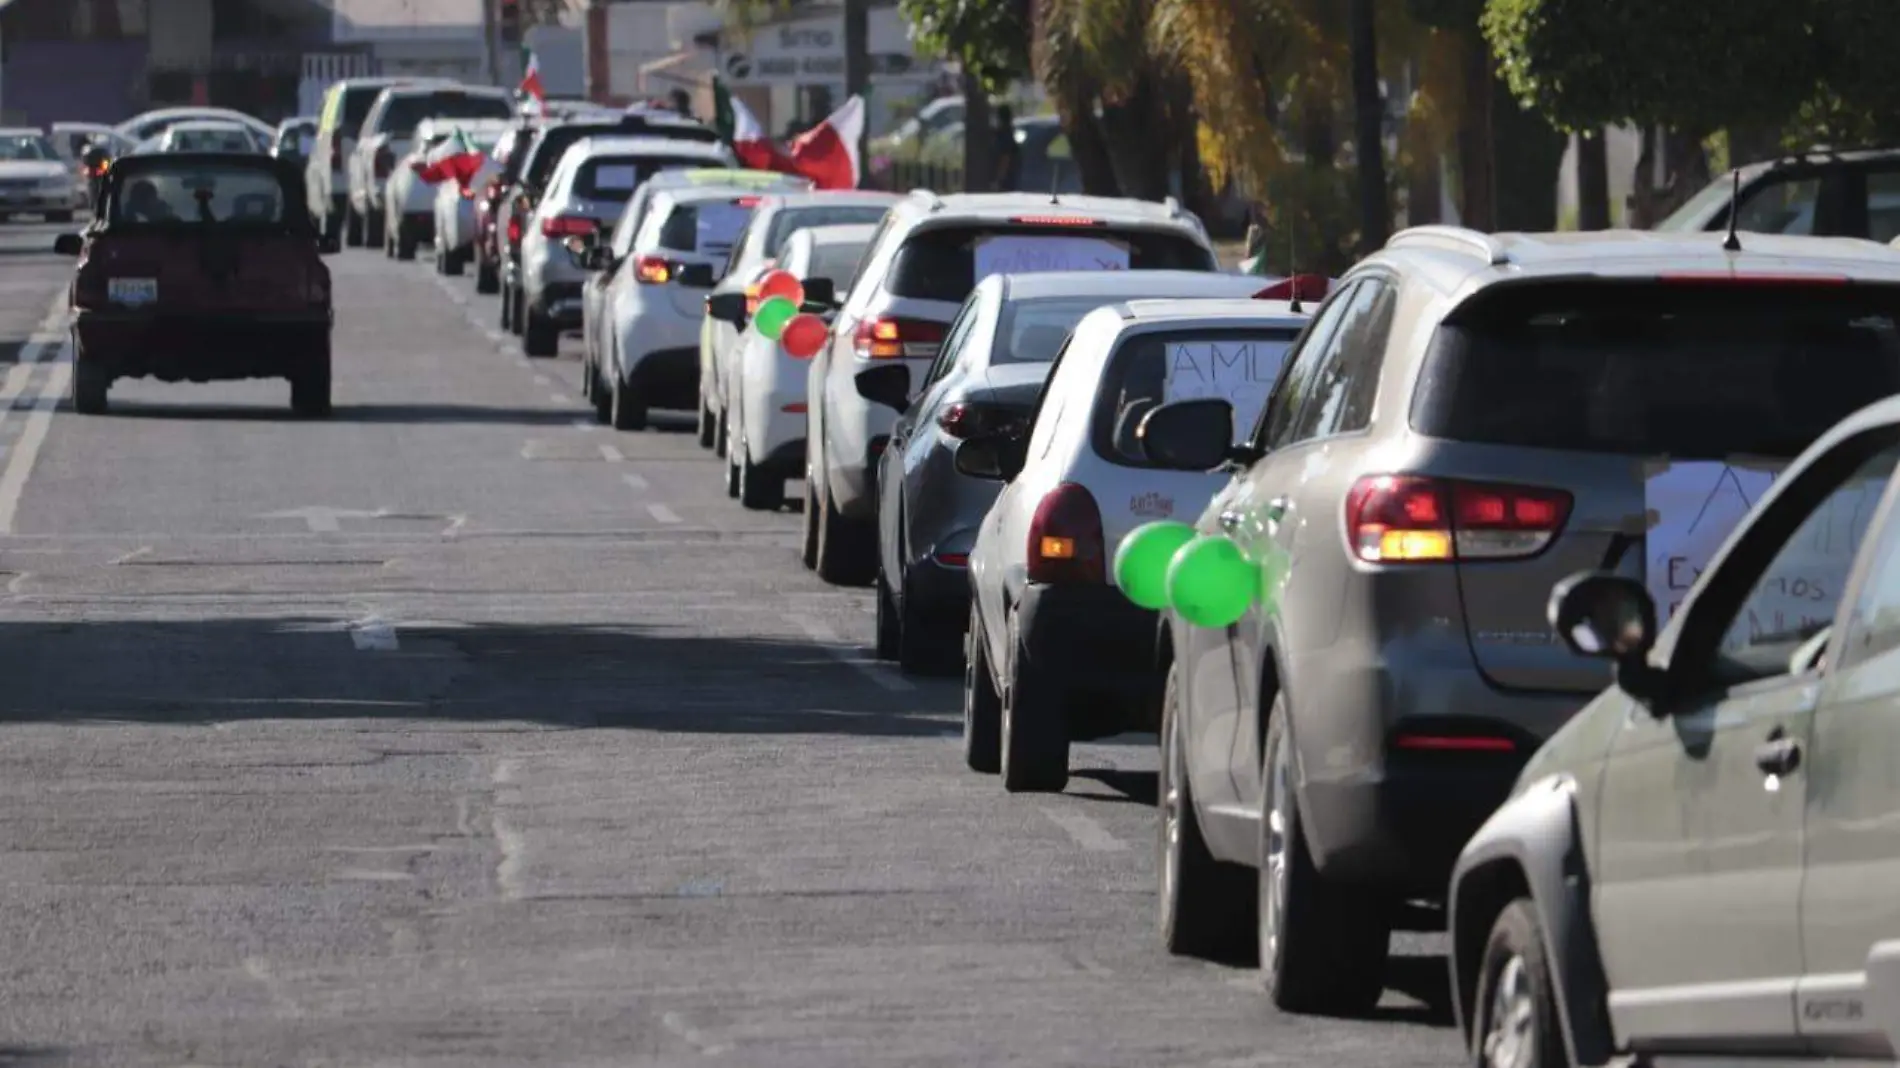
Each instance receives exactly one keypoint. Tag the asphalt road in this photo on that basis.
(456, 730)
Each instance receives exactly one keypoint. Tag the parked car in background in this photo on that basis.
(150, 124)
(388, 130)
(458, 208)
(71, 139)
(509, 153)
(1824, 194)
(34, 180)
(409, 202)
(326, 173)
(294, 140)
(932, 252)
(984, 382)
(207, 135)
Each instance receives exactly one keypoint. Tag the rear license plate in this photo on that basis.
(134, 291)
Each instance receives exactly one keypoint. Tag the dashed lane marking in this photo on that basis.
(126, 558)
(20, 462)
(828, 640)
(662, 513)
(611, 454)
(691, 1035)
(1087, 833)
(634, 482)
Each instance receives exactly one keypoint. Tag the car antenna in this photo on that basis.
(1293, 265)
(1733, 242)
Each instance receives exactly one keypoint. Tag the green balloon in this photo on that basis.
(1141, 561)
(772, 316)
(1210, 583)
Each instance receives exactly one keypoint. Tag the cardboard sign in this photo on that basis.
(1694, 506)
(1031, 254)
(1240, 372)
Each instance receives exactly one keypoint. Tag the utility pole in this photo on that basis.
(489, 45)
(857, 60)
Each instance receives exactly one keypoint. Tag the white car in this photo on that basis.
(775, 219)
(764, 395)
(152, 123)
(71, 139)
(387, 131)
(1046, 616)
(931, 253)
(326, 177)
(588, 189)
(207, 135)
(409, 202)
(457, 210)
(656, 300)
(34, 180)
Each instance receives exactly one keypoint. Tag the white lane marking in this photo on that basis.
(560, 398)
(662, 513)
(369, 875)
(259, 970)
(513, 846)
(1087, 833)
(827, 640)
(634, 482)
(17, 375)
(456, 523)
(583, 424)
(126, 558)
(540, 380)
(20, 462)
(677, 1024)
(18, 583)
(611, 454)
(372, 634)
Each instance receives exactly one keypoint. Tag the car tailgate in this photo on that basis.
(211, 272)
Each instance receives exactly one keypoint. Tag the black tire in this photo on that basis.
(518, 315)
(847, 548)
(602, 398)
(1517, 939)
(405, 244)
(373, 236)
(1322, 944)
(90, 385)
(925, 646)
(982, 705)
(352, 227)
(451, 263)
(539, 335)
(760, 490)
(626, 409)
(1206, 907)
(59, 216)
(1035, 734)
(5, 218)
(310, 388)
(707, 428)
(889, 627)
(507, 308)
(732, 474)
(720, 429)
(487, 277)
(808, 543)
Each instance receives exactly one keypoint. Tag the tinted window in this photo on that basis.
(200, 195)
(1688, 371)
(24, 146)
(1149, 370)
(406, 112)
(708, 227)
(231, 140)
(548, 148)
(1276, 418)
(1340, 400)
(940, 264)
(356, 105)
(836, 262)
(616, 177)
(790, 221)
(1783, 206)
(1883, 205)
(1031, 331)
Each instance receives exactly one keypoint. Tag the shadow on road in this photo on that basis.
(1129, 787)
(557, 675)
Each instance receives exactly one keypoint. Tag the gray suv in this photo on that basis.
(1467, 421)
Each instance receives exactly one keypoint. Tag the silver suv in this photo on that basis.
(1466, 422)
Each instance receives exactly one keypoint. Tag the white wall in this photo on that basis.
(382, 20)
(179, 32)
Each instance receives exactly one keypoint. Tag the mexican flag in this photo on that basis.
(531, 81)
(456, 157)
(827, 153)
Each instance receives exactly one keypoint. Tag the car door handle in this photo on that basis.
(1779, 755)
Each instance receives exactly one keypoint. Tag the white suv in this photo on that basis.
(390, 127)
(930, 252)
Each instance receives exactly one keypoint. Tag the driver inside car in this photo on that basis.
(143, 204)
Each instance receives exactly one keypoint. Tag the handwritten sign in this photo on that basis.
(1693, 508)
(1240, 372)
(1030, 254)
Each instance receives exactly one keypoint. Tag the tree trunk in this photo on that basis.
(979, 148)
(1424, 193)
(1088, 147)
(1375, 213)
(1477, 153)
(1131, 130)
(1528, 155)
(1752, 145)
(1686, 169)
(1593, 181)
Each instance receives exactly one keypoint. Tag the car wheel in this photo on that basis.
(352, 227)
(732, 473)
(602, 398)
(982, 706)
(451, 262)
(847, 549)
(539, 335)
(925, 645)
(626, 410)
(310, 388)
(759, 489)
(90, 384)
(1206, 906)
(518, 314)
(59, 216)
(1322, 945)
(721, 429)
(1035, 735)
(487, 277)
(808, 542)
(1516, 1008)
(889, 630)
(373, 229)
(507, 307)
(707, 428)
(405, 245)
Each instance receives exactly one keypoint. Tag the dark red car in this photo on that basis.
(200, 267)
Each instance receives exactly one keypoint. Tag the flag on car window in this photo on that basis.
(457, 158)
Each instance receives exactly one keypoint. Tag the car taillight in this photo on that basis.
(566, 226)
(1407, 519)
(1058, 220)
(652, 270)
(752, 300)
(965, 419)
(1065, 538)
(468, 193)
(385, 162)
(514, 229)
(892, 339)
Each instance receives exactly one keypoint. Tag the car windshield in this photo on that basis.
(707, 226)
(1236, 365)
(1030, 331)
(1686, 371)
(791, 220)
(1696, 208)
(616, 177)
(946, 263)
(406, 111)
(200, 194)
(15, 147)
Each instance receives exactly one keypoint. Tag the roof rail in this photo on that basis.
(1452, 239)
(929, 197)
(1173, 206)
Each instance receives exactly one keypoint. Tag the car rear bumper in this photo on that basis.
(1096, 648)
(201, 348)
(559, 302)
(668, 378)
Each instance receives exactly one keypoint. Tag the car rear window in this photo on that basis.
(233, 140)
(1691, 371)
(1238, 365)
(1030, 331)
(836, 262)
(25, 146)
(945, 263)
(553, 142)
(708, 226)
(199, 195)
(356, 104)
(791, 220)
(616, 177)
(407, 111)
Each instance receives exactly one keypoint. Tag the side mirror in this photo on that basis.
(1609, 617)
(888, 385)
(696, 275)
(821, 291)
(68, 245)
(1190, 435)
(995, 457)
(727, 308)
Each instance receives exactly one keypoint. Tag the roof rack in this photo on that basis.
(1452, 239)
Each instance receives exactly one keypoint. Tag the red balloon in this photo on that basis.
(803, 336)
(782, 284)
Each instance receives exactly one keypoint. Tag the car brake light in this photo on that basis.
(567, 226)
(1407, 519)
(652, 270)
(964, 419)
(1303, 286)
(1455, 743)
(385, 162)
(1057, 220)
(1065, 538)
(952, 559)
(745, 202)
(514, 229)
(891, 339)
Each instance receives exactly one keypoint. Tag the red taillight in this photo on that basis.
(1065, 538)
(1734, 278)
(1454, 743)
(514, 229)
(385, 162)
(1301, 286)
(964, 419)
(952, 559)
(566, 226)
(1057, 220)
(1407, 519)
(893, 339)
(652, 270)
(745, 202)
(794, 408)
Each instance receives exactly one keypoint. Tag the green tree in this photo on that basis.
(989, 39)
